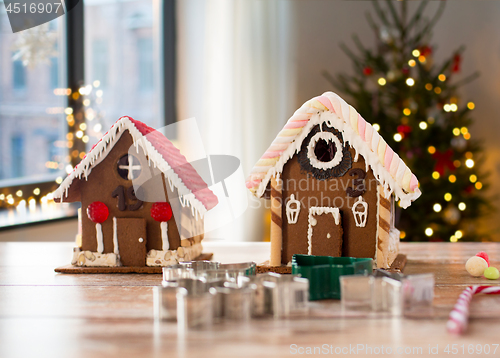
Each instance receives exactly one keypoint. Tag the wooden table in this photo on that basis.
(44, 314)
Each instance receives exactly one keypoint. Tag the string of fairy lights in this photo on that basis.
(81, 127)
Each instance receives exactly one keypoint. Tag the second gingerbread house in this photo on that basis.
(332, 181)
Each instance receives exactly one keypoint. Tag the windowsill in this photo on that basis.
(38, 179)
(14, 218)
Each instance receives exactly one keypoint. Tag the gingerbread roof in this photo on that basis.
(165, 156)
(329, 108)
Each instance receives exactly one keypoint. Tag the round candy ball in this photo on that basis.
(476, 266)
(491, 273)
(161, 211)
(97, 212)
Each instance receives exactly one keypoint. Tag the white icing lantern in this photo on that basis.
(292, 214)
(360, 212)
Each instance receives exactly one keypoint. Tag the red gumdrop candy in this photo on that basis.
(484, 256)
(161, 211)
(97, 212)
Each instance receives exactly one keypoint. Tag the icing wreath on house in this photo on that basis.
(342, 179)
(122, 227)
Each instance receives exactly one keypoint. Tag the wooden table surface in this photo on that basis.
(44, 314)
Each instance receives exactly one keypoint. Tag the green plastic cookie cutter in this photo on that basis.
(323, 273)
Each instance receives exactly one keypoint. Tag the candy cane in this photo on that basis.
(459, 316)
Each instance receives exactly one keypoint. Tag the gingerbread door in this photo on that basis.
(131, 237)
(324, 232)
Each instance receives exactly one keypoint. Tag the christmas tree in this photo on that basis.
(414, 103)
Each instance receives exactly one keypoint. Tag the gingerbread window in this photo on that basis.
(324, 154)
(129, 167)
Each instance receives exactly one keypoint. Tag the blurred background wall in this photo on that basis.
(287, 45)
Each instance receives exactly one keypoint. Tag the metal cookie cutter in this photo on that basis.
(186, 275)
(172, 274)
(210, 270)
(195, 302)
(280, 296)
(234, 301)
(173, 301)
(393, 293)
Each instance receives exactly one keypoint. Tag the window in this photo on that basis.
(18, 75)
(33, 149)
(54, 72)
(122, 53)
(116, 61)
(17, 156)
(324, 154)
(100, 62)
(146, 64)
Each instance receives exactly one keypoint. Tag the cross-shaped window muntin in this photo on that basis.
(126, 163)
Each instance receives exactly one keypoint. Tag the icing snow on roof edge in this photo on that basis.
(192, 189)
(388, 168)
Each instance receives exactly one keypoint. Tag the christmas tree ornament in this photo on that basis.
(459, 143)
(367, 71)
(392, 75)
(457, 60)
(451, 215)
(443, 161)
(425, 50)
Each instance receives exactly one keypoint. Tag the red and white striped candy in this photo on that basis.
(459, 316)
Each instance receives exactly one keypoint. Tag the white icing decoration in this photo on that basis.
(313, 221)
(115, 238)
(378, 223)
(328, 236)
(104, 146)
(182, 200)
(164, 236)
(394, 240)
(319, 210)
(100, 244)
(328, 137)
(358, 144)
(360, 216)
(292, 214)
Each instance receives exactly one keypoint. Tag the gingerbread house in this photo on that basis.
(332, 181)
(142, 202)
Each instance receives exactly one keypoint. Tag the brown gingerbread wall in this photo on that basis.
(357, 242)
(101, 182)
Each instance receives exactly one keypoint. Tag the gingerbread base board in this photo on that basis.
(264, 268)
(398, 265)
(121, 269)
